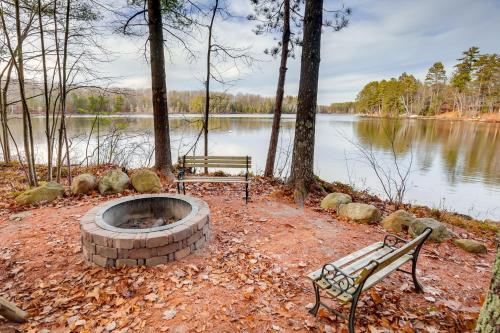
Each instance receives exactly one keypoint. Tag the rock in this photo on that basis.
(334, 200)
(398, 221)
(146, 181)
(45, 192)
(470, 245)
(359, 212)
(439, 231)
(20, 216)
(83, 184)
(114, 181)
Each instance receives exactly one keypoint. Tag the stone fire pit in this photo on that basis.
(149, 229)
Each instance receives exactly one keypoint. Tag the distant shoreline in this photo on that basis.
(450, 116)
(453, 116)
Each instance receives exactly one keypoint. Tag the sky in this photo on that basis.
(384, 38)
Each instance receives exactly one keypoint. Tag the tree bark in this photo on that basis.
(3, 114)
(11, 312)
(273, 143)
(207, 82)
(489, 318)
(27, 128)
(302, 172)
(46, 94)
(163, 157)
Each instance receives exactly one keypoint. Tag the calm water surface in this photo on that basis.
(454, 165)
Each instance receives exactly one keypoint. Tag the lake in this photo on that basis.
(454, 165)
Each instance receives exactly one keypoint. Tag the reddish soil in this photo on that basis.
(249, 279)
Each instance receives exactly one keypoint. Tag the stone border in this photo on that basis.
(108, 248)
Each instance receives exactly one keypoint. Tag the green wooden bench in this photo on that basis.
(347, 277)
(235, 162)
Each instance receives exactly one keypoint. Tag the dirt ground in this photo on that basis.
(250, 278)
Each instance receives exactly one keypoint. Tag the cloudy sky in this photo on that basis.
(384, 39)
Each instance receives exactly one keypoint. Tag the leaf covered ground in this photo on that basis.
(250, 278)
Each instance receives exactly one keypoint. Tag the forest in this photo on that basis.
(471, 89)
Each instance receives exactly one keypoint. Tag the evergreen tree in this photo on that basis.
(436, 74)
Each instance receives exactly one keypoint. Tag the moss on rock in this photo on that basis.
(45, 192)
(146, 181)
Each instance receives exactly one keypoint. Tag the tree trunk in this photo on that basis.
(163, 157)
(11, 312)
(273, 143)
(27, 128)
(3, 115)
(302, 172)
(46, 95)
(489, 318)
(63, 133)
(207, 82)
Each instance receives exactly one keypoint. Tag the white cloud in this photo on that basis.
(384, 39)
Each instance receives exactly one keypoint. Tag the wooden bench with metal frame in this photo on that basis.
(206, 162)
(347, 277)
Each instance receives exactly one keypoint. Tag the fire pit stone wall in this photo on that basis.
(108, 246)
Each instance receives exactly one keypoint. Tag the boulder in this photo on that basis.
(334, 200)
(398, 221)
(83, 184)
(439, 231)
(45, 192)
(470, 245)
(146, 181)
(114, 181)
(359, 212)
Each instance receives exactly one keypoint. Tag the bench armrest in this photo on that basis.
(393, 240)
(333, 275)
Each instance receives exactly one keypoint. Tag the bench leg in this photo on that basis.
(418, 286)
(315, 308)
(352, 313)
(184, 188)
(246, 193)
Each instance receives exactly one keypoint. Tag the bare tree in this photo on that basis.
(393, 175)
(218, 53)
(285, 17)
(18, 61)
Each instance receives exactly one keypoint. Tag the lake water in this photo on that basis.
(454, 165)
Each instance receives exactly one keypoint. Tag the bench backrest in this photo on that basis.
(237, 162)
(393, 256)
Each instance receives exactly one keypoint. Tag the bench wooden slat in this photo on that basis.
(363, 262)
(212, 180)
(217, 165)
(204, 158)
(392, 257)
(373, 279)
(339, 294)
(217, 161)
(347, 259)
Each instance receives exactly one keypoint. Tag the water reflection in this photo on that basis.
(455, 164)
(468, 150)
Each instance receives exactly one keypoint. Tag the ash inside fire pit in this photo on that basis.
(148, 214)
(143, 221)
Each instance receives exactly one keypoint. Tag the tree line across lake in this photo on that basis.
(473, 88)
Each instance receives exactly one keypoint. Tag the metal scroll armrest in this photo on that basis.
(334, 276)
(393, 240)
